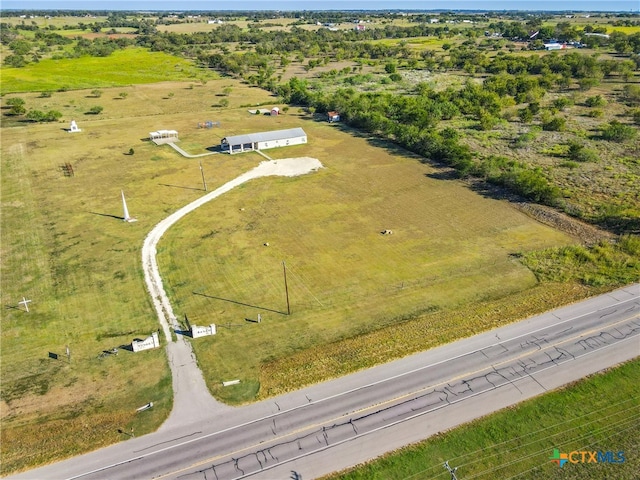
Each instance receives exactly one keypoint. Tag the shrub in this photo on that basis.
(95, 110)
(40, 116)
(526, 115)
(580, 153)
(562, 103)
(17, 106)
(554, 124)
(596, 101)
(618, 132)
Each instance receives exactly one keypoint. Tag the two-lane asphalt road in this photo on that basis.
(349, 420)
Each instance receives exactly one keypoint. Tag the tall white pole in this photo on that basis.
(124, 206)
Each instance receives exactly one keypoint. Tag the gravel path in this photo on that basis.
(190, 391)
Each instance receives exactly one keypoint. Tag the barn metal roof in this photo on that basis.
(265, 136)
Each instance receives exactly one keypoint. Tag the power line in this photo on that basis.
(451, 471)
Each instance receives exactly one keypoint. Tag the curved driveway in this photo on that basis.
(192, 400)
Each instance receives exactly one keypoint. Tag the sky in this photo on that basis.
(182, 5)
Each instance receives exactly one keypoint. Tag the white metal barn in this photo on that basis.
(263, 140)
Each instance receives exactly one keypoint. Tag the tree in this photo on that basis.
(123, 95)
(95, 110)
(96, 93)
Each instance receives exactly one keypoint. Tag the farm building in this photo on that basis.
(263, 140)
(333, 117)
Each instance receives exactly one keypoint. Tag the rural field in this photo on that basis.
(344, 277)
(461, 258)
(66, 248)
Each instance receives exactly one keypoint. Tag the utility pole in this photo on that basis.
(286, 289)
(451, 471)
(203, 180)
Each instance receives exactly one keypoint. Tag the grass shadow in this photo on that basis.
(180, 186)
(108, 215)
(239, 303)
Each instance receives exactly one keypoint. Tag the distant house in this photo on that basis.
(360, 27)
(333, 117)
(275, 111)
(263, 140)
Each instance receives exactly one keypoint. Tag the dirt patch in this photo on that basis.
(587, 234)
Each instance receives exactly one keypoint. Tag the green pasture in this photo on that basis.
(131, 66)
(599, 413)
(449, 247)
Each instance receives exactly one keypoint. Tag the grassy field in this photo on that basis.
(132, 66)
(600, 413)
(448, 270)
(65, 247)
(345, 278)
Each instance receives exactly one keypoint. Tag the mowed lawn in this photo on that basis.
(450, 247)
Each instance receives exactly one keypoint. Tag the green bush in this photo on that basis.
(40, 116)
(95, 110)
(580, 153)
(596, 101)
(554, 124)
(618, 132)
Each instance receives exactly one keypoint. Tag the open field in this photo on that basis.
(123, 67)
(599, 413)
(345, 278)
(65, 247)
(357, 297)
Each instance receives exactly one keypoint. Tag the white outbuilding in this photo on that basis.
(263, 140)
